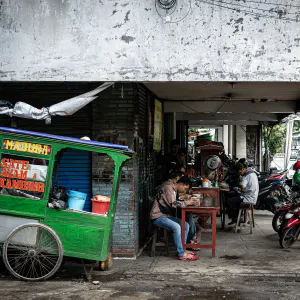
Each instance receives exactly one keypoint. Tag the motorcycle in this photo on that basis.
(290, 229)
(289, 204)
(273, 192)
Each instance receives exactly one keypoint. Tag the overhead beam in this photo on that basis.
(228, 117)
(230, 106)
(216, 123)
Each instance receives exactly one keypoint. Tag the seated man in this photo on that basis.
(162, 209)
(249, 192)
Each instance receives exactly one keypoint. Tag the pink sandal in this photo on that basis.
(190, 257)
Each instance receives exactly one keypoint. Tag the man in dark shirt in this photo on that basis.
(170, 159)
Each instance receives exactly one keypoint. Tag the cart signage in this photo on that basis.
(15, 175)
(26, 147)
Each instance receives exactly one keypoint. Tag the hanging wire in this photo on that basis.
(245, 9)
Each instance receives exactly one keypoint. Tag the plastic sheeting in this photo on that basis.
(64, 108)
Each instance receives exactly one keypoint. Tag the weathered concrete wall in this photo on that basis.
(127, 40)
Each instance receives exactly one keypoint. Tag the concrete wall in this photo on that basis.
(127, 40)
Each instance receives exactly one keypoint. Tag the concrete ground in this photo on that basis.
(246, 267)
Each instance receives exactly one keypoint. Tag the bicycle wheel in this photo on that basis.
(32, 252)
(289, 236)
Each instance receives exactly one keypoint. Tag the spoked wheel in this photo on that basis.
(32, 252)
(278, 219)
(289, 236)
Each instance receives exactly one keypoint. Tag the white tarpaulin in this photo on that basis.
(64, 108)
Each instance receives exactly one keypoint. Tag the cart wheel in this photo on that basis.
(107, 264)
(32, 252)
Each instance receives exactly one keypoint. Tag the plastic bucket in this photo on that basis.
(100, 206)
(76, 200)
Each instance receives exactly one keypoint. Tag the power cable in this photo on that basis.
(258, 15)
(249, 7)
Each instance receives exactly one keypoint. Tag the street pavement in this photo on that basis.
(246, 267)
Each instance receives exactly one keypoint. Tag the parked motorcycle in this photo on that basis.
(273, 193)
(289, 204)
(291, 228)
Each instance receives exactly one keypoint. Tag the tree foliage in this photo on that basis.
(274, 140)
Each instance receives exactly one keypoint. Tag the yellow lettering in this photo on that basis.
(45, 150)
(38, 148)
(30, 148)
(24, 146)
(9, 144)
(16, 146)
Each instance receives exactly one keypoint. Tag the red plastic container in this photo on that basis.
(100, 204)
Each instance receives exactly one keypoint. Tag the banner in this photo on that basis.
(158, 123)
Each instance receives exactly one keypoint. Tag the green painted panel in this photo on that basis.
(82, 235)
(22, 206)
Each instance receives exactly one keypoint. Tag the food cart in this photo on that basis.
(34, 236)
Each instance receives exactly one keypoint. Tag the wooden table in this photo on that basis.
(201, 210)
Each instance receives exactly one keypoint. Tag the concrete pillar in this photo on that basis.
(241, 142)
(233, 140)
(174, 125)
(230, 140)
(225, 138)
(220, 134)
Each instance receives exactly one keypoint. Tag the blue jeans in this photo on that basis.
(173, 224)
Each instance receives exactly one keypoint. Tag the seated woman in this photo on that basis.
(161, 213)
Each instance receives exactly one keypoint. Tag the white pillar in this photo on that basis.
(241, 142)
(220, 134)
(225, 138)
(288, 143)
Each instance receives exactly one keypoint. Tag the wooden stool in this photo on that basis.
(157, 230)
(248, 212)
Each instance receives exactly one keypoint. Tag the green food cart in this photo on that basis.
(34, 236)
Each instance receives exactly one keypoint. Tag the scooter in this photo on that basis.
(289, 204)
(290, 228)
(273, 193)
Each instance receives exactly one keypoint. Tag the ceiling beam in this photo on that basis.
(230, 106)
(228, 117)
(195, 123)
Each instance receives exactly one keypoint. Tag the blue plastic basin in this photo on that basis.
(76, 200)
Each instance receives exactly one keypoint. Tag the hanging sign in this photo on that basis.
(26, 147)
(157, 126)
(14, 175)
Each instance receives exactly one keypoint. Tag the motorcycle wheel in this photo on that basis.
(289, 236)
(278, 219)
